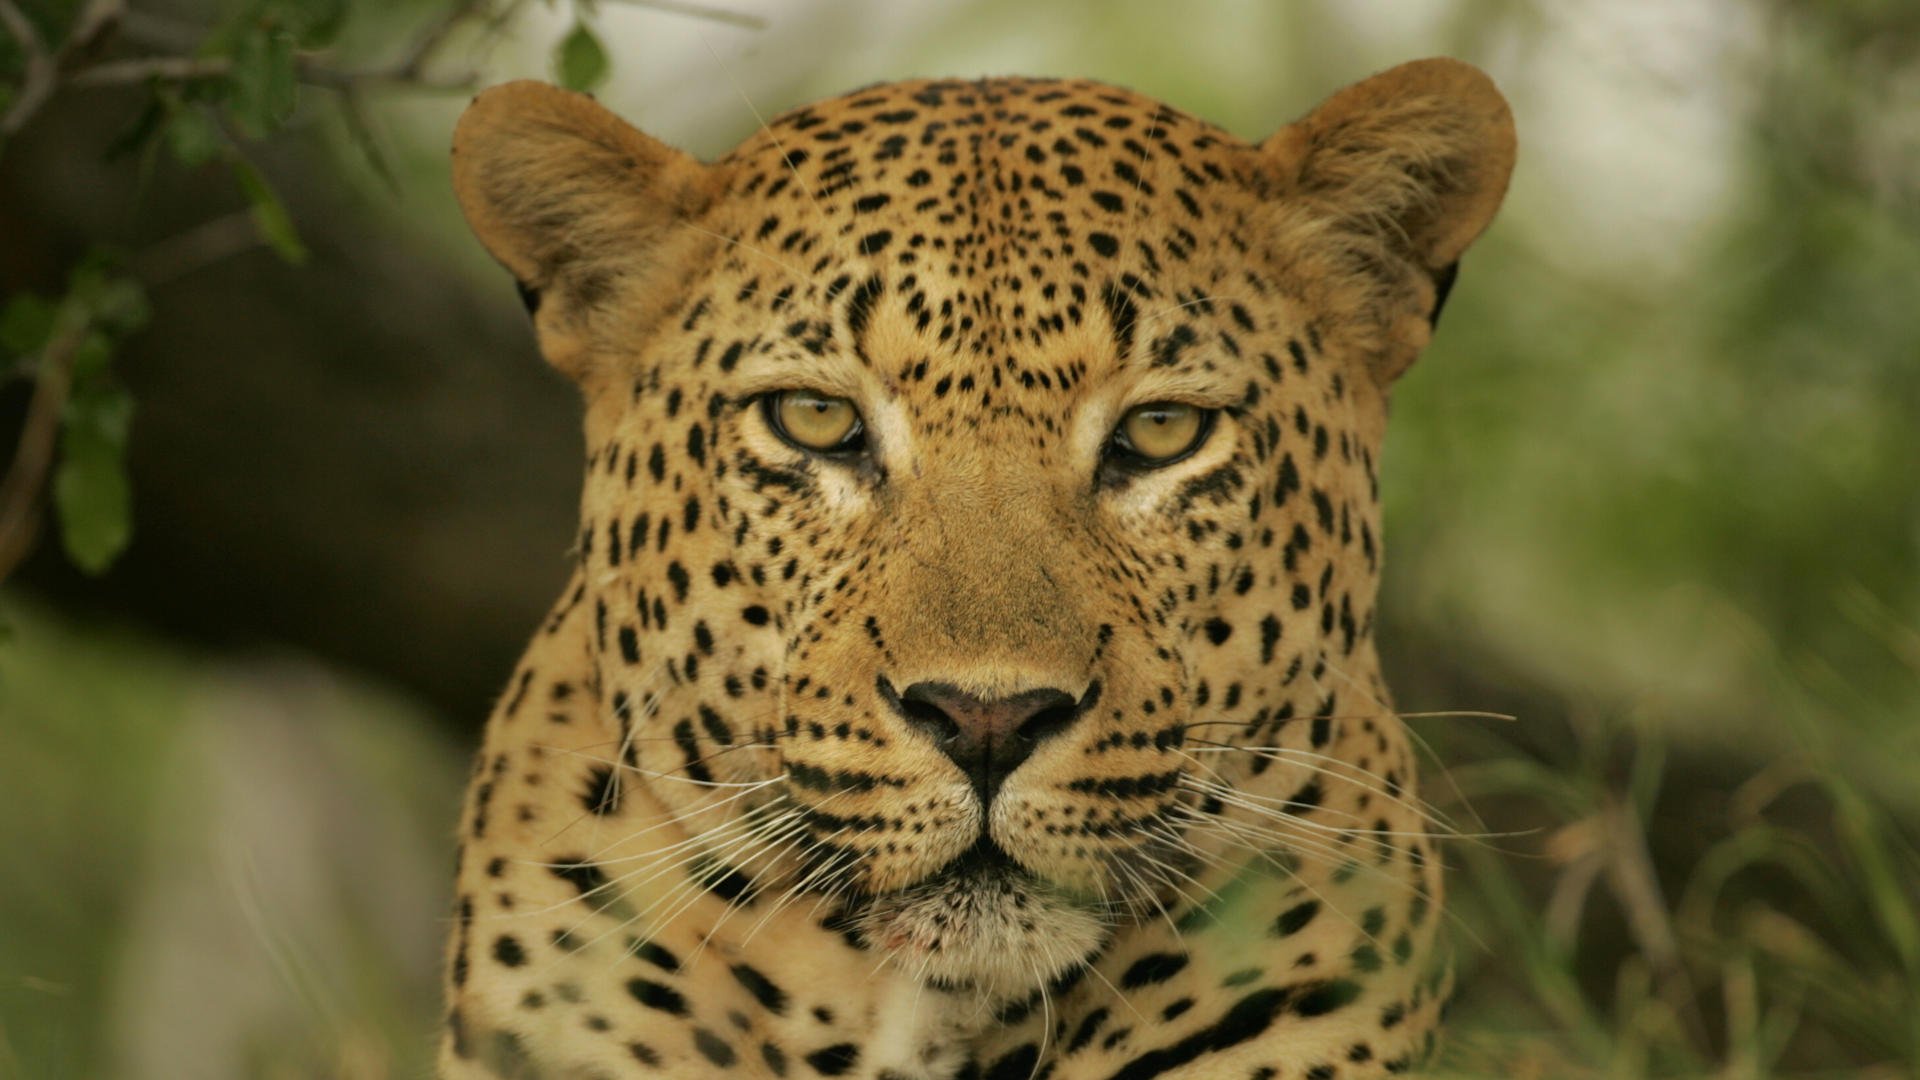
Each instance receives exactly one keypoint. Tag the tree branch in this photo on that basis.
(38, 69)
(33, 457)
(702, 11)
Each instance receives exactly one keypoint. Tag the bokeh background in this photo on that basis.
(1653, 500)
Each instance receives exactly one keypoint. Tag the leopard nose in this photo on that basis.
(988, 739)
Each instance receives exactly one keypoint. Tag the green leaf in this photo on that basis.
(92, 357)
(108, 299)
(26, 323)
(580, 61)
(265, 88)
(90, 491)
(270, 214)
(315, 22)
(193, 137)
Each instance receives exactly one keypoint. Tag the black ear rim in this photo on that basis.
(1442, 285)
(530, 297)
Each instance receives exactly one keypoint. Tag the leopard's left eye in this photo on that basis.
(1160, 433)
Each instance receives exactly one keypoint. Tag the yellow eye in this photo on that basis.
(1162, 432)
(815, 422)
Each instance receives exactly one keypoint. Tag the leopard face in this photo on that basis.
(980, 530)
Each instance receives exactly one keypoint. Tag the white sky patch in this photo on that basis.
(1629, 115)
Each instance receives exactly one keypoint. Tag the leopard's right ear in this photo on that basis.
(574, 202)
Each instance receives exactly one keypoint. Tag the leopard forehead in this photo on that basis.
(995, 252)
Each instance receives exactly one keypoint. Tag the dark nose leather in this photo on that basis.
(988, 739)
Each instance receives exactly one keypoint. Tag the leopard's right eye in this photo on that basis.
(814, 422)
(1160, 433)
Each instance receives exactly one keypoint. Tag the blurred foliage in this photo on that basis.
(251, 831)
(1659, 497)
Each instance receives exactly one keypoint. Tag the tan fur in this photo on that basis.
(706, 838)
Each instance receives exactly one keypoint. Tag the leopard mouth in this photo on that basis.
(984, 924)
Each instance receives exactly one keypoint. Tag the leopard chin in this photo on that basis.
(983, 926)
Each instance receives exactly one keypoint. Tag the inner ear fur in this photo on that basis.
(571, 199)
(1400, 172)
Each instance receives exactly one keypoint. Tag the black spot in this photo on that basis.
(584, 876)
(603, 791)
(655, 996)
(1152, 969)
(1322, 998)
(1015, 1065)
(860, 306)
(770, 997)
(1219, 630)
(1295, 918)
(727, 883)
(1104, 244)
(657, 955)
(1323, 508)
(775, 1058)
(1248, 1017)
(1168, 349)
(1089, 1027)
(712, 1047)
(1269, 637)
(875, 242)
(507, 950)
(834, 1060)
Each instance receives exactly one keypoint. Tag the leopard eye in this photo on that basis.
(815, 422)
(1162, 432)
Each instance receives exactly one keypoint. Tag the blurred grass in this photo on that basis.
(1667, 916)
(230, 868)
(85, 716)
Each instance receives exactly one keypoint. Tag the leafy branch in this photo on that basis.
(208, 91)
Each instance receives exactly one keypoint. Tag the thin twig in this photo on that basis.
(40, 74)
(309, 69)
(33, 456)
(201, 246)
(434, 36)
(703, 11)
(141, 69)
(37, 69)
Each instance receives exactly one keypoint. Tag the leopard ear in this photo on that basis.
(572, 200)
(1406, 168)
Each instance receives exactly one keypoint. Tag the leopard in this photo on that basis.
(968, 662)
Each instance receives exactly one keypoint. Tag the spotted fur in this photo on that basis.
(710, 835)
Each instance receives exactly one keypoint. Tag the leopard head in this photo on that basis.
(963, 457)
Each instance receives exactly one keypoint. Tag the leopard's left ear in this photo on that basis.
(1407, 167)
